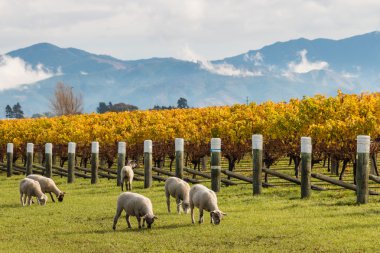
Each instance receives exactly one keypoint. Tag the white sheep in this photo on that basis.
(134, 205)
(179, 189)
(126, 175)
(48, 186)
(30, 188)
(205, 199)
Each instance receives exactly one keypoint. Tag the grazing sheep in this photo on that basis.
(48, 186)
(205, 199)
(178, 189)
(126, 175)
(134, 205)
(30, 188)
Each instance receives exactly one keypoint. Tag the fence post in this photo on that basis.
(257, 153)
(94, 161)
(29, 158)
(121, 151)
(9, 159)
(147, 163)
(362, 168)
(306, 149)
(71, 162)
(48, 159)
(216, 156)
(179, 149)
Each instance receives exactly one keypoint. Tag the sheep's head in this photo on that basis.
(132, 163)
(185, 206)
(60, 196)
(217, 216)
(42, 200)
(150, 219)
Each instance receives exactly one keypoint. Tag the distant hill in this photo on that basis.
(275, 72)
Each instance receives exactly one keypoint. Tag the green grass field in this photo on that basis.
(277, 221)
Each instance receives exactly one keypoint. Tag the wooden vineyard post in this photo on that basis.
(48, 159)
(216, 156)
(179, 149)
(71, 162)
(121, 151)
(29, 158)
(362, 168)
(94, 161)
(147, 163)
(9, 159)
(306, 149)
(257, 152)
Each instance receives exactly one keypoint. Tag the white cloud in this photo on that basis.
(83, 73)
(305, 66)
(223, 69)
(14, 73)
(257, 58)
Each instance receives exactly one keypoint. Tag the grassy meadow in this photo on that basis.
(276, 221)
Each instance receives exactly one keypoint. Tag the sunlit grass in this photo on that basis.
(276, 221)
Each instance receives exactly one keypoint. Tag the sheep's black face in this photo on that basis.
(185, 207)
(217, 216)
(150, 220)
(60, 197)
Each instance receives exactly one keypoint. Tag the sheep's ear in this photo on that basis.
(212, 212)
(155, 217)
(179, 204)
(224, 214)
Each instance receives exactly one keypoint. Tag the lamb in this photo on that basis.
(48, 186)
(126, 175)
(30, 188)
(136, 205)
(205, 199)
(178, 189)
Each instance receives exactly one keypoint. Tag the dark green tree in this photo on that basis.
(102, 108)
(8, 112)
(182, 103)
(18, 113)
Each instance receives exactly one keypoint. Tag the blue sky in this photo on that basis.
(212, 29)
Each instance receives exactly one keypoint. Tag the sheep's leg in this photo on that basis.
(25, 199)
(52, 197)
(168, 201)
(130, 185)
(117, 215)
(211, 218)
(192, 213)
(139, 221)
(143, 222)
(178, 201)
(29, 199)
(200, 215)
(128, 222)
(122, 185)
(22, 202)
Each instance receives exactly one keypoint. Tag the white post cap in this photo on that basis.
(9, 147)
(71, 147)
(148, 146)
(48, 148)
(121, 147)
(29, 147)
(363, 144)
(257, 141)
(95, 147)
(179, 144)
(306, 145)
(216, 144)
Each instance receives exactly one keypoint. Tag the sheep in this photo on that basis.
(48, 186)
(178, 189)
(30, 188)
(126, 175)
(205, 199)
(137, 205)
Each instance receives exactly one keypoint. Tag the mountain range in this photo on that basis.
(277, 72)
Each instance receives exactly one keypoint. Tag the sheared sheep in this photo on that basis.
(48, 186)
(134, 205)
(205, 199)
(30, 188)
(126, 175)
(178, 189)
